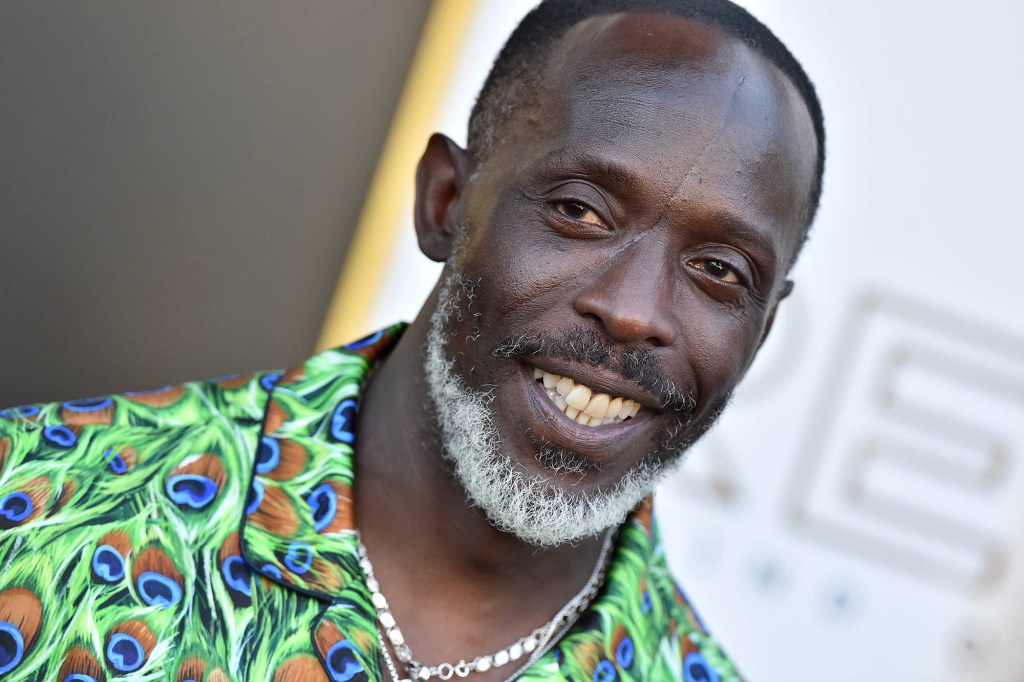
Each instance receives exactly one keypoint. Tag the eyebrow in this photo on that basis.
(591, 166)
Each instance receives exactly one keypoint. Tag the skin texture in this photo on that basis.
(654, 195)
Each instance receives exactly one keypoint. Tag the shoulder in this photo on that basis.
(51, 454)
(59, 456)
(235, 396)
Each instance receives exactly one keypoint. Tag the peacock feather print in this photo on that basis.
(205, 532)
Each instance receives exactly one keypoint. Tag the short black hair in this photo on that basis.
(513, 79)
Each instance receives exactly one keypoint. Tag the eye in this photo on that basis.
(719, 269)
(578, 211)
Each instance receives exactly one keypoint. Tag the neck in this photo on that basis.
(420, 530)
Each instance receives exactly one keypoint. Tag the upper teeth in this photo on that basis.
(582, 403)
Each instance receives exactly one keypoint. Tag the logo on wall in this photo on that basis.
(909, 460)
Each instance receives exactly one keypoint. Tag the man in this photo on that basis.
(638, 181)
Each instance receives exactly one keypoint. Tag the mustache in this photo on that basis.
(585, 345)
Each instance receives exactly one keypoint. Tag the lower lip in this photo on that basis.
(596, 443)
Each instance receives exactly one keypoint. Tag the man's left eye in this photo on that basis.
(720, 270)
(578, 211)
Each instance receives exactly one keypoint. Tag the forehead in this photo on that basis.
(686, 108)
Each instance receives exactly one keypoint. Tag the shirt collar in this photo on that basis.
(298, 526)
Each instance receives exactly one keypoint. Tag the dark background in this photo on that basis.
(179, 182)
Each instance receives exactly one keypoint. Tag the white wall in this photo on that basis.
(856, 516)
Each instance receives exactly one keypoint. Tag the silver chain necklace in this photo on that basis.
(532, 645)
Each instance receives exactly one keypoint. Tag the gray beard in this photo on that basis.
(533, 508)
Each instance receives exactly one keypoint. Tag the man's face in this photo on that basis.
(632, 234)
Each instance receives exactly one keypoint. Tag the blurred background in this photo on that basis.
(179, 181)
(194, 188)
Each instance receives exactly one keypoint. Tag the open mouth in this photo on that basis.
(583, 404)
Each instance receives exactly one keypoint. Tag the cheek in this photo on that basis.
(520, 274)
(721, 347)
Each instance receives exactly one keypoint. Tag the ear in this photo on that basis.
(440, 178)
(787, 289)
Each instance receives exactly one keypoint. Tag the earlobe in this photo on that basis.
(440, 178)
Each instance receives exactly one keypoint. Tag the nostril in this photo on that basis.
(628, 322)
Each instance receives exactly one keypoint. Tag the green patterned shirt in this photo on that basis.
(205, 532)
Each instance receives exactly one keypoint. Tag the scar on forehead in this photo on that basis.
(712, 141)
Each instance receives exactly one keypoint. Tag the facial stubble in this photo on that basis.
(537, 509)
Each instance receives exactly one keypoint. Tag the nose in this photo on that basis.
(632, 296)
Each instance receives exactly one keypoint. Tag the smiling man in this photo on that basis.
(468, 495)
